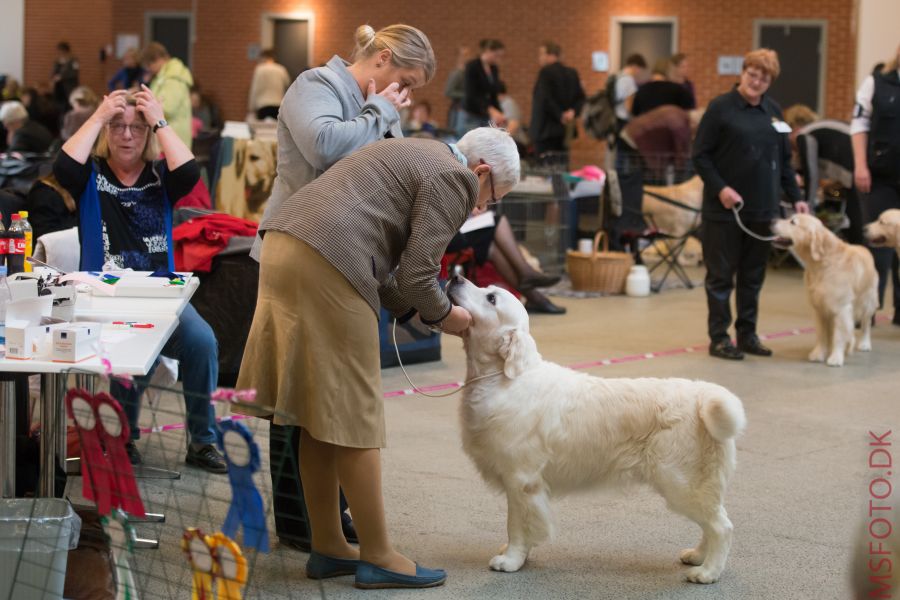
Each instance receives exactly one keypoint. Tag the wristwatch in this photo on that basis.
(160, 124)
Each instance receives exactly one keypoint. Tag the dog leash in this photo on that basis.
(737, 217)
(419, 390)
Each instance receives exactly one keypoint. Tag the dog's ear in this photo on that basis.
(516, 347)
(816, 244)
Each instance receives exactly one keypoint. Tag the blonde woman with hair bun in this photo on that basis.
(328, 113)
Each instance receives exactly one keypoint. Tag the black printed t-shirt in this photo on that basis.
(133, 217)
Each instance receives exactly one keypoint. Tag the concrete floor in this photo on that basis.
(797, 500)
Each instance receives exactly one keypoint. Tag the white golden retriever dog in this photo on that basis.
(536, 430)
(841, 284)
(885, 232)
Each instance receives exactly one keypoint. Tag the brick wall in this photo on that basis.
(225, 29)
(87, 25)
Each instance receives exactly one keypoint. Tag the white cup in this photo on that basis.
(586, 245)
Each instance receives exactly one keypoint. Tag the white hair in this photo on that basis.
(497, 149)
(12, 111)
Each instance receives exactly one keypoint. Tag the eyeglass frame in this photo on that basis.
(494, 199)
(119, 128)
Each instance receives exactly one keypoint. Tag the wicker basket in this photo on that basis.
(600, 271)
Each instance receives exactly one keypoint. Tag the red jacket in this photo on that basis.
(199, 240)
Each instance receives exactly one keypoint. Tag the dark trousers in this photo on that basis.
(854, 233)
(267, 111)
(554, 144)
(291, 516)
(733, 259)
(881, 197)
(629, 168)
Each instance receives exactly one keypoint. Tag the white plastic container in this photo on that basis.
(637, 284)
(35, 538)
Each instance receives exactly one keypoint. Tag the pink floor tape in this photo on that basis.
(605, 362)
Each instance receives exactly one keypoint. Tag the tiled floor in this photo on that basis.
(798, 498)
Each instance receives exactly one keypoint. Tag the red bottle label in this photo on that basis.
(17, 246)
(4, 246)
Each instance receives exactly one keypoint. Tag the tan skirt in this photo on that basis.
(313, 349)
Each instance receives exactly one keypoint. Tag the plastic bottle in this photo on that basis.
(4, 244)
(29, 238)
(5, 297)
(638, 282)
(15, 259)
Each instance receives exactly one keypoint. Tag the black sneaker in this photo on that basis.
(752, 345)
(725, 349)
(207, 458)
(134, 455)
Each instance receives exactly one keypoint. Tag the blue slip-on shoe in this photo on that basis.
(368, 577)
(320, 566)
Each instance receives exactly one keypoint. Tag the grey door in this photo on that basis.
(291, 45)
(799, 50)
(173, 32)
(652, 40)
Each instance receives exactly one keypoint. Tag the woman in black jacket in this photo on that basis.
(482, 78)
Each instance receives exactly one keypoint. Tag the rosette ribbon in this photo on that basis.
(229, 567)
(121, 541)
(199, 555)
(115, 436)
(242, 456)
(96, 473)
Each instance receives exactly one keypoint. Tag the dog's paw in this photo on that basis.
(691, 556)
(506, 563)
(817, 354)
(864, 346)
(835, 361)
(701, 575)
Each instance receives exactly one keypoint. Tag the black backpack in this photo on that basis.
(600, 120)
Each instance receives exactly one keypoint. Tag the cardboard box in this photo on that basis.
(28, 341)
(75, 342)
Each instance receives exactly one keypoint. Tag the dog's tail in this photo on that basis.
(723, 414)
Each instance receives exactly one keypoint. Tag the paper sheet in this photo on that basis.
(482, 221)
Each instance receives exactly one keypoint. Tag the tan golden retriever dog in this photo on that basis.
(885, 232)
(841, 284)
(536, 430)
(669, 218)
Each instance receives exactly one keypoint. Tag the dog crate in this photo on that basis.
(541, 214)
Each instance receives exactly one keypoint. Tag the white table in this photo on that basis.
(132, 356)
(90, 305)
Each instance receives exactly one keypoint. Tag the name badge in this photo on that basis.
(781, 127)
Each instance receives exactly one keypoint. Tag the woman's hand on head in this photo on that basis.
(400, 98)
(149, 106)
(457, 322)
(113, 105)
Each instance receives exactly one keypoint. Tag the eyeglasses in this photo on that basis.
(494, 198)
(137, 129)
(758, 75)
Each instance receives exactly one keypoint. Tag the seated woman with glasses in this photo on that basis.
(496, 242)
(125, 198)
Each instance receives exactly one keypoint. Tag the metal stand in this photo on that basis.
(145, 544)
(53, 433)
(7, 439)
(145, 472)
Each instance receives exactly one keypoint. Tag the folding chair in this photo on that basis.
(639, 241)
